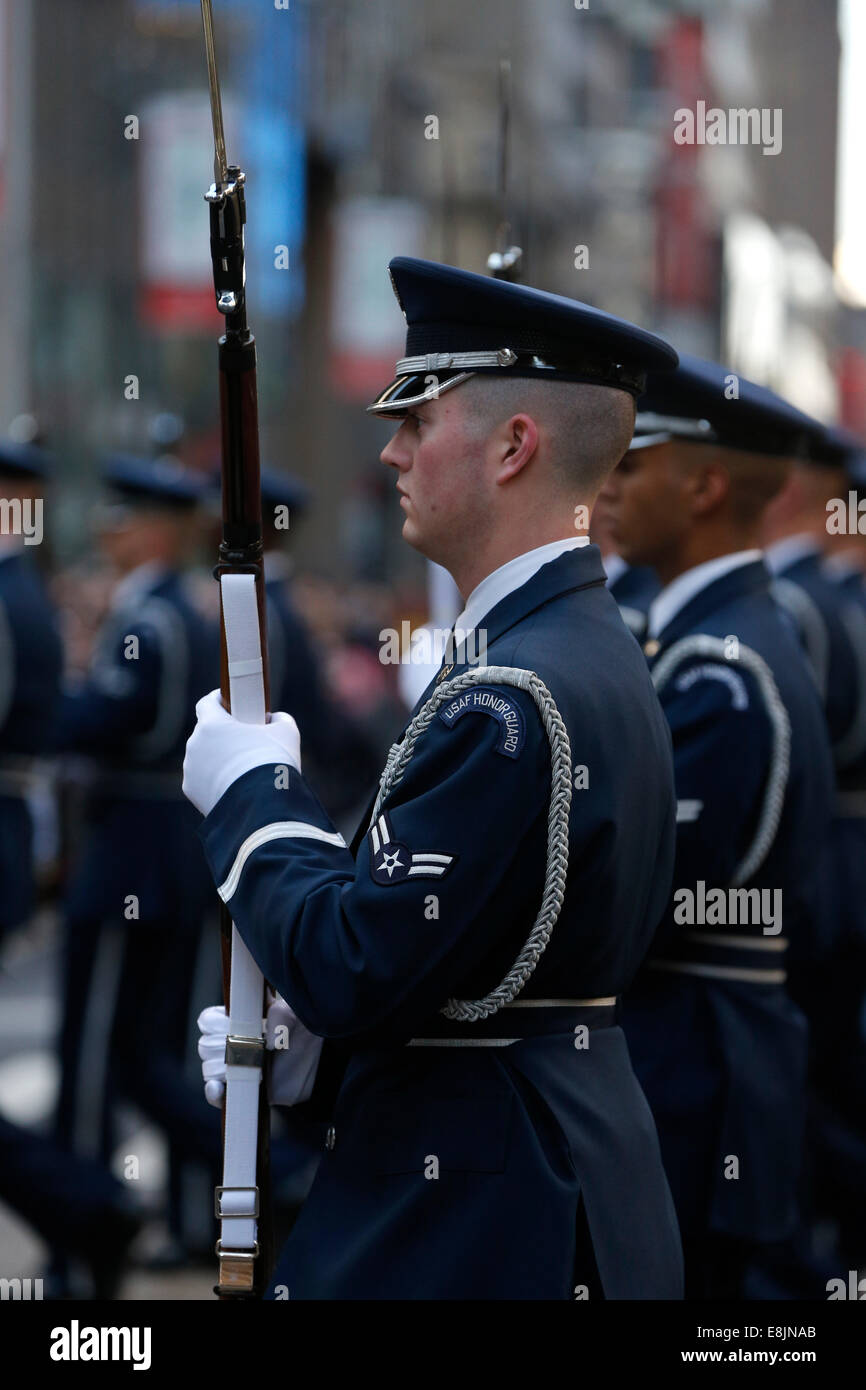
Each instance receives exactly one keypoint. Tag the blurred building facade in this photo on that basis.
(369, 128)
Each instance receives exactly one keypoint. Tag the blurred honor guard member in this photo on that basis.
(718, 1045)
(30, 668)
(137, 897)
(465, 956)
(342, 765)
(830, 624)
(794, 536)
(633, 586)
(834, 993)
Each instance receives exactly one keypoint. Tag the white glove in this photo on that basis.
(296, 1054)
(213, 1025)
(221, 749)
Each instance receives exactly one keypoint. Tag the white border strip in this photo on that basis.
(278, 830)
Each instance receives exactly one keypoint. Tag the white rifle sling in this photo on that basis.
(237, 1200)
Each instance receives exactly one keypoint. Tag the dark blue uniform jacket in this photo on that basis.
(453, 1169)
(720, 1049)
(154, 658)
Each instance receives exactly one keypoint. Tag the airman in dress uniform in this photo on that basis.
(75, 1204)
(135, 904)
(31, 661)
(794, 537)
(718, 1045)
(835, 993)
(464, 958)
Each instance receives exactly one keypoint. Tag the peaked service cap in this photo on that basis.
(460, 324)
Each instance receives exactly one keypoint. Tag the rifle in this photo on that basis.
(504, 264)
(242, 1201)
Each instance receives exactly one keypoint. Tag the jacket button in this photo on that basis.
(330, 1137)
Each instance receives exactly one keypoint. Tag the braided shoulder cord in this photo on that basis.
(810, 626)
(557, 820)
(852, 745)
(701, 644)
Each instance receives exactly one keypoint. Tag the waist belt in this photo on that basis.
(523, 1018)
(724, 956)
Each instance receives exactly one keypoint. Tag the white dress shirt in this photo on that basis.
(614, 567)
(782, 554)
(137, 583)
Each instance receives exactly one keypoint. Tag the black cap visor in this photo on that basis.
(413, 388)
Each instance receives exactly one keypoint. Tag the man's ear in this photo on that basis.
(711, 484)
(516, 443)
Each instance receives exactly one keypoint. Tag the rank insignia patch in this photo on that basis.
(393, 862)
(484, 699)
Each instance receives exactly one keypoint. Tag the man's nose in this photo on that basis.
(395, 452)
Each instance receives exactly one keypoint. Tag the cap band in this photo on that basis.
(649, 424)
(441, 361)
(588, 366)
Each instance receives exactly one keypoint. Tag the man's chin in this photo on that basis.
(412, 536)
(632, 553)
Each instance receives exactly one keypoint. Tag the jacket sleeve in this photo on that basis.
(382, 940)
(119, 697)
(723, 745)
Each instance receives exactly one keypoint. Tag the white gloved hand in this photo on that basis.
(296, 1054)
(221, 749)
(213, 1025)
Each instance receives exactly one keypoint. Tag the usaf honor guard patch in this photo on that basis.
(393, 862)
(484, 699)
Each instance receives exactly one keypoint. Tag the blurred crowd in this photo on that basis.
(101, 664)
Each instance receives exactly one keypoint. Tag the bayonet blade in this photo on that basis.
(220, 163)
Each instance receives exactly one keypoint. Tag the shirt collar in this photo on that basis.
(278, 565)
(139, 581)
(674, 597)
(781, 555)
(841, 567)
(614, 567)
(508, 577)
